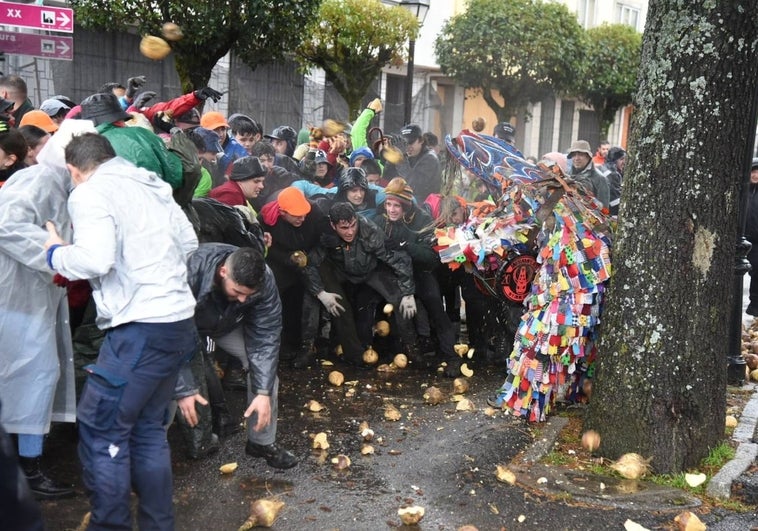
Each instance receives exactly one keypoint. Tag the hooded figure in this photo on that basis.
(36, 358)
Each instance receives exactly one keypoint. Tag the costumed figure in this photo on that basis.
(545, 244)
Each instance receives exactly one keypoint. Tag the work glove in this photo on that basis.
(207, 92)
(4, 126)
(134, 83)
(408, 306)
(331, 302)
(163, 122)
(376, 105)
(141, 100)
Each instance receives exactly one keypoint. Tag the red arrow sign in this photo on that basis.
(37, 17)
(45, 46)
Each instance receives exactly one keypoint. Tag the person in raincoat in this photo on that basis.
(36, 358)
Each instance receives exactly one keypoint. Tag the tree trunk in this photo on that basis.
(660, 387)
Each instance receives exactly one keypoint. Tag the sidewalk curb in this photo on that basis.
(720, 485)
(548, 435)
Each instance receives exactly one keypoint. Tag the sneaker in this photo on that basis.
(274, 455)
(496, 401)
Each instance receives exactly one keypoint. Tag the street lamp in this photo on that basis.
(419, 8)
(735, 374)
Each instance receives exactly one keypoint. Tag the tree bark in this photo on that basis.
(660, 387)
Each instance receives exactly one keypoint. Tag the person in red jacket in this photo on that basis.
(246, 181)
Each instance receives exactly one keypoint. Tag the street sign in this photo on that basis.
(37, 17)
(35, 45)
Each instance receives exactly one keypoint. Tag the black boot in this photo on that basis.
(42, 486)
(224, 424)
(453, 367)
(275, 455)
(416, 357)
(306, 357)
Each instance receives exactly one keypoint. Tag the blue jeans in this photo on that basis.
(122, 413)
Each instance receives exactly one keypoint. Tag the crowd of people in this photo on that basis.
(212, 252)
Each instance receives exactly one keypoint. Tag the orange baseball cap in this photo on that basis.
(293, 201)
(39, 119)
(213, 120)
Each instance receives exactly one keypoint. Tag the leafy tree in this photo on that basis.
(260, 30)
(660, 387)
(352, 40)
(522, 49)
(612, 61)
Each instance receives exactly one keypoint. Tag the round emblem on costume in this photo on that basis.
(516, 277)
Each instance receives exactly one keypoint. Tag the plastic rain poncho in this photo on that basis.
(36, 356)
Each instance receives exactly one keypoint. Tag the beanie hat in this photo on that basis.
(352, 177)
(245, 168)
(398, 189)
(614, 154)
(39, 119)
(361, 152)
(213, 120)
(293, 201)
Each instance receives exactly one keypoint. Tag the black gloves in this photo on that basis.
(163, 122)
(207, 92)
(141, 100)
(134, 83)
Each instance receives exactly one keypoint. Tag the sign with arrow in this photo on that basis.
(37, 17)
(35, 45)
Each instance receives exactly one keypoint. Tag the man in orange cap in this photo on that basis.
(295, 229)
(233, 150)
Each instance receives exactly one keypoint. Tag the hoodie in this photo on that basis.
(132, 241)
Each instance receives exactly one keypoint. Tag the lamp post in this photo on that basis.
(735, 374)
(419, 8)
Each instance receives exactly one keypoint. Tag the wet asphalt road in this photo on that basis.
(434, 456)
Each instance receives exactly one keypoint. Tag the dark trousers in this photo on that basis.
(752, 257)
(428, 291)
(122, 414)
(354, 325)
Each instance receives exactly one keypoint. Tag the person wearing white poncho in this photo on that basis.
(36, 358)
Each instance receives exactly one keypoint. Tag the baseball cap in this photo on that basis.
(213, 120)
(39, 119)
(53, 106)
(504, 131)
(293, 201)
(411, 133)
(210, 139)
